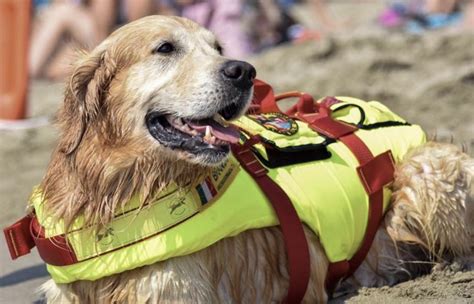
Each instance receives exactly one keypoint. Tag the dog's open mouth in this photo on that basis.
(211, 135)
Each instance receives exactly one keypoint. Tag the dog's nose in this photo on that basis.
(240, 73)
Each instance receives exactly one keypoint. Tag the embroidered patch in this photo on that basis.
(276, 122)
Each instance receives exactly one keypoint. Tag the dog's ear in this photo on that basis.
(84, 96)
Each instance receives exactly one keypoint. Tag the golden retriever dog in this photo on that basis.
(159, 73)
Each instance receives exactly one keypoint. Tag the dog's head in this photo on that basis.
(158, 85)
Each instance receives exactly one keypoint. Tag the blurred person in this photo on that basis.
(395, 15)
(441, 6)
(129, 10)
(269, 22)
(223, 18)
(436, 14)
(417, 16)
(85, 24)
(64, 26)
(469, 16)
(327, 21)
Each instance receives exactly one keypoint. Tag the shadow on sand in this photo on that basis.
(22, 275)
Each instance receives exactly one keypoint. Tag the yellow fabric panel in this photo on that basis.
(234, 212)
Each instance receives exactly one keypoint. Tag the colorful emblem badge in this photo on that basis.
(276, 122)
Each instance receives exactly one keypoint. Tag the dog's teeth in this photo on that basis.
(208, 134)
(176, 121)
(218, 118)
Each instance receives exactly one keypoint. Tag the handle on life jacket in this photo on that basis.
(27, 233)
(316, 114)
(265, 100)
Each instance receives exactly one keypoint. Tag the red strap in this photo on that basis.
(18, 237)
(374, 173)
(291, 226)
(318, 117)
(336, 272)
(53, 250)
(375, 217)
(27, 233)
(329, 127)
(305, 102)
(264, 98)
(358, 148)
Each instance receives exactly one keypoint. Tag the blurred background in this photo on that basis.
(416, 56)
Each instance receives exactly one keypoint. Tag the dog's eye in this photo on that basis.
(164, 48)
(219, 49)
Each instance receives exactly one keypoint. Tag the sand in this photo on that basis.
(428, 80)
(24, 155)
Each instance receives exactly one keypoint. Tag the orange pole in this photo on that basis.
(14, 38)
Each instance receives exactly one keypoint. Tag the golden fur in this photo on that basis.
(105, 155)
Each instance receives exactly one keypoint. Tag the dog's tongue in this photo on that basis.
(229, 134)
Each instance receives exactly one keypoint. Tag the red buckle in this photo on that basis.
(18, 237)
(247, 158)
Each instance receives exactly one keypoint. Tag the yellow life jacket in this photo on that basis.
(318, 175)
